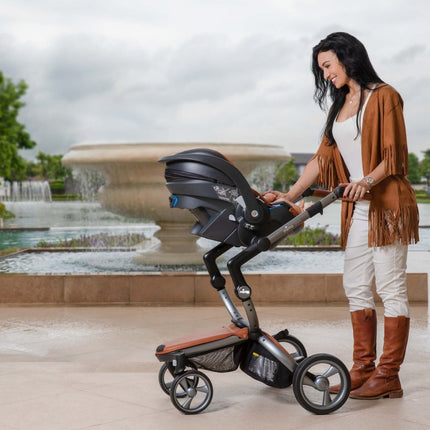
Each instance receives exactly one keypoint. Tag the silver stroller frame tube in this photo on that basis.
(243, 290)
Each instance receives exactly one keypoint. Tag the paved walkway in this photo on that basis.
(94, 368)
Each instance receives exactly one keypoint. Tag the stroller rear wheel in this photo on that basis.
(312, 380)
(191, 392)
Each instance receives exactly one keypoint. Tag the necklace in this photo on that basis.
(352, 99)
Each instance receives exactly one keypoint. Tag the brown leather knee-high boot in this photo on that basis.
(364, 354)
(385, 381)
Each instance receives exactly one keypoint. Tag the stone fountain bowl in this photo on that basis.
(135, 185)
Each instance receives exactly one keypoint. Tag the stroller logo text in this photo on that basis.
(244, 292)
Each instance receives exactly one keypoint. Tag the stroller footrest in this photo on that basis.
(202, 338)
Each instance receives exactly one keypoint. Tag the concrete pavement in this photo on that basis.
(94, 368)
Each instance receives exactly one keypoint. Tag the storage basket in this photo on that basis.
(261, 365)
(220, 360)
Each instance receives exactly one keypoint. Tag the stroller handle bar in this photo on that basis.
(265, 243)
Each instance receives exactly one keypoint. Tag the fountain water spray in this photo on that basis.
(25, 191)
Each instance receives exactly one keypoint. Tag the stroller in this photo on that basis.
(228, 211)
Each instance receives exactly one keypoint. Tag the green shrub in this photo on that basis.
(312, 237)
(4, 213)
(63, 197)
(100, 240)
(422, 196)
(57, 187)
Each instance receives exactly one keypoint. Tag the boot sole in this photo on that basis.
(397, 394)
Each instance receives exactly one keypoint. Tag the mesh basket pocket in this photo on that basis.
(220, 360)
(261, 365)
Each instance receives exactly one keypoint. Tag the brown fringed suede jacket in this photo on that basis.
(393, 212)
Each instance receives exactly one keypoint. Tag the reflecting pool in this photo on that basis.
(67, 220)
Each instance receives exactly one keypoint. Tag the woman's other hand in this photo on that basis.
(274, 196)
(297, 209)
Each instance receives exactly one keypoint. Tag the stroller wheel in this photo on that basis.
(191, 392)
(293, 345)
(166, 377)
(312, 380)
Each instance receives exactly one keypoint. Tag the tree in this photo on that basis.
(49, 167)
(414, 169)
(425, 167)
(13, 135)
(286, 174)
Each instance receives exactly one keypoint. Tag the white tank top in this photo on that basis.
(349, 144)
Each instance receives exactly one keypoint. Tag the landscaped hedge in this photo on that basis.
(57, 187)
(4, 213)
(422, 197)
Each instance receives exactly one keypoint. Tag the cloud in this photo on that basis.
(88, 89)
(198, 71)
(410, 53)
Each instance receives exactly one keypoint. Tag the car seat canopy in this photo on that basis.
(220, 198)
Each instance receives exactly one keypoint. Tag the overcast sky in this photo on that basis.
(200, 70)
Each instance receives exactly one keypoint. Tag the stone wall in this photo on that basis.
(185, 288)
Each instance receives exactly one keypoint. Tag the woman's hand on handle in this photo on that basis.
(356, 191)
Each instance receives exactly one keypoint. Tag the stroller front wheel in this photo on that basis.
(166, 377)
(312, 380)
(191, 392)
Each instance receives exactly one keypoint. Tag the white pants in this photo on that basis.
(387, 264)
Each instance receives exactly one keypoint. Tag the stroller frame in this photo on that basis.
(243, 342)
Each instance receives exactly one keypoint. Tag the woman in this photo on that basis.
(364, 149)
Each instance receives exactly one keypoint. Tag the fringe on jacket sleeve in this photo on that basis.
(396, 161)
(393, 226)
(329, 161)
(327, 177)
(395, 148)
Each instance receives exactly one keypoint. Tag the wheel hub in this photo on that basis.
(322, 383)
(191, 392)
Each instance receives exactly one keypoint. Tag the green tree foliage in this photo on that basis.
(414, 169)
(285, 175)
(425, 166)
(4, 213)
(13, 135)
(49, 167)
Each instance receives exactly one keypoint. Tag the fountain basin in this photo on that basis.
(116, 261)
(135, 180)
(135, 187)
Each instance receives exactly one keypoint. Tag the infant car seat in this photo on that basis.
(217, 194)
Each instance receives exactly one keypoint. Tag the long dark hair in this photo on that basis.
(353, 56)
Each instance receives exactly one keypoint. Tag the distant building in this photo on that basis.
(300, 160)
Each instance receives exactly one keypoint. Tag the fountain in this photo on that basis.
(25, 191)
(135, 187)
(92, 278)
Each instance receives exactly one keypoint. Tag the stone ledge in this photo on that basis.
(184, 288)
